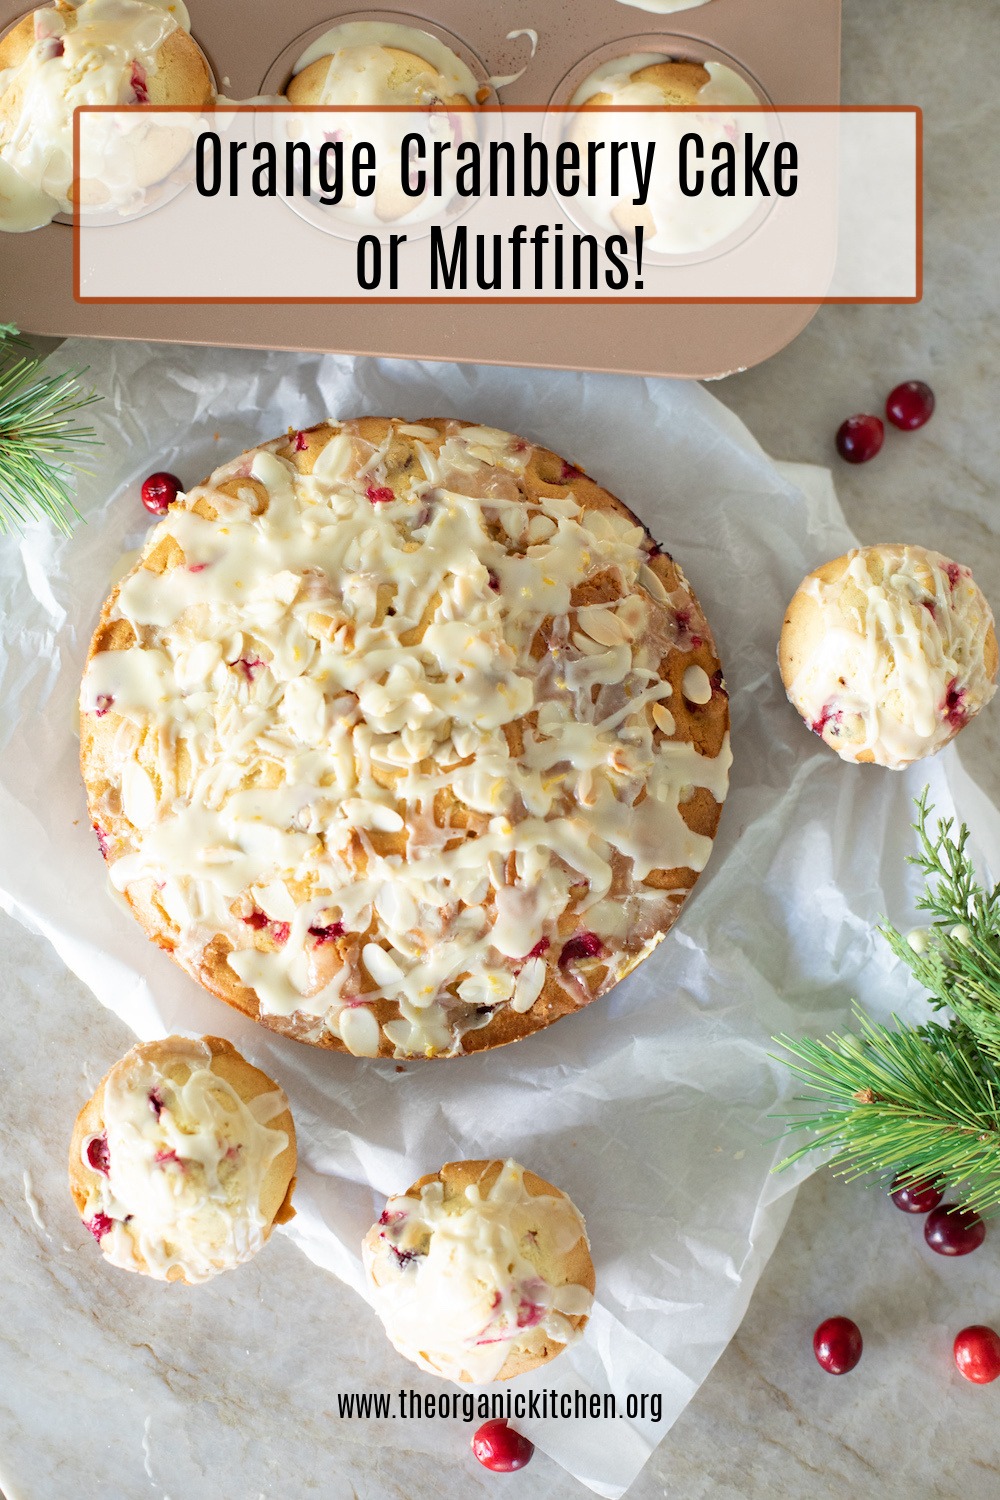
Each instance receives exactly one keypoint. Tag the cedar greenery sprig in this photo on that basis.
(920, 1102)
(40, 439)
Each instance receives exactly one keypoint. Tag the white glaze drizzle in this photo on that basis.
(672, 223)
(663, 7)
(501, 80)
(330, 668)
(458, 1284)
(89, 53)
(897, 666)
(186, 1163)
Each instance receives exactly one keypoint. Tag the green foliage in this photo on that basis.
(920, 1102)
(40, 438)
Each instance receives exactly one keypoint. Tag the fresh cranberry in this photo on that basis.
(280, 931)
(301, 442)
(103, 842)
(156, 1103)
(249, 665)
(977, 1353)
(197, 567)
(98, 1157)
(954, 708)
(568, 472)
(99, 1226)
(910, 405)
(494, 579)
(583, 945)
(380, 494)
(501, 1448)
(951, 1230)
(102, 703)
(916, 1197)
(837, 1345)
(860, 438)
(953, 573)
(542, 946)
(828, 715)
(403, 1257)
(256, 920)
(529, 1315)
(140, 87)
(327, 934)
(160, 491)
(162, 1157)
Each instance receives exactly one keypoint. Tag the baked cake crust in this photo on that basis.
(575, 615)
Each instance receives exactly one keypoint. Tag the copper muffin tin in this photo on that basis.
(790, 47)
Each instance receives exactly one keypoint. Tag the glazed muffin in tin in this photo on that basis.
(100, 52)
(404, 738)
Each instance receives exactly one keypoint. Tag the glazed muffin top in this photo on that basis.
(98, 52)
(887, 652)
(481, 1271)
(404, 738)
(183, 1159)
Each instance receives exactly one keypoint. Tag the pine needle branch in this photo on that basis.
(40, 438)
(920, 1102)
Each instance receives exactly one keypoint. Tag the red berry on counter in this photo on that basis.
(951, 1230)
(501, 1448)
(977, 1353)
(837, 1345)
(910, 405)
(916, 1197)
(860, 438)
(159, 491)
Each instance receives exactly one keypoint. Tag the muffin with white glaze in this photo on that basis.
(887, 652)
(481, 1271)
(422, 86)
(183, 1160)
(121, 52)
(609, 105)
(404, 738)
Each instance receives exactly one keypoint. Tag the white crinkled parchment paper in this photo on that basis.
(651, 1107)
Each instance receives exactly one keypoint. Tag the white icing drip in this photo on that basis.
(663, 7)
(897, 664)
(333, 668)
(187, 1159)
(91, 53)
(672, 223)
(454, 1283)
(501, 80)
(31, 1200)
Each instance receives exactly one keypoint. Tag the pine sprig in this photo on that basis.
(920, 1102)
(40, 438)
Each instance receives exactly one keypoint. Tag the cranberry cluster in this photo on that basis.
(907, 407)
(948, 1230)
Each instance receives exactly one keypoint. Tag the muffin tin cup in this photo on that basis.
(787, 49)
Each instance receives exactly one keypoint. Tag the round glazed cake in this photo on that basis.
(404, 738)
(887, 652)
(183, 1160)
(481, 1271)
(57, 58)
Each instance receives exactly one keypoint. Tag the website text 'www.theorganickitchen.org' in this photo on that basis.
(478, 1406)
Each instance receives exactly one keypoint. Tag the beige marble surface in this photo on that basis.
(767, 1422)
